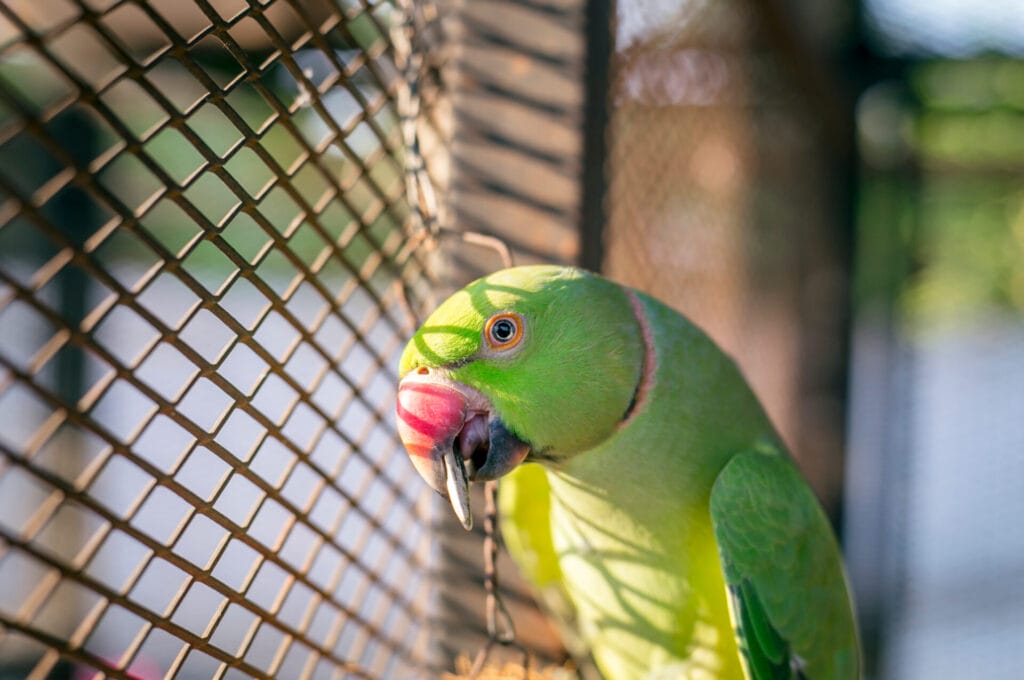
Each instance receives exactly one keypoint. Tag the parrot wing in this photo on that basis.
(787, 589)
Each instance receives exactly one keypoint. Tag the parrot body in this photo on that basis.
(665, 523)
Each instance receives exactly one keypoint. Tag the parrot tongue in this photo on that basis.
(430, 417)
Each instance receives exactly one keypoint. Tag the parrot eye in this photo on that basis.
(504, 330)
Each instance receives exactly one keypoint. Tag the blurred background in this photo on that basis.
(208, 269)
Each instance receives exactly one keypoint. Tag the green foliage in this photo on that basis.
(977, 84)
(942, 235)
(971, 248)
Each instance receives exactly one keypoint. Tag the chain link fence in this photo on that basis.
(202, 220)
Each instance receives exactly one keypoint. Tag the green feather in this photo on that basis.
(767, 639)
(779, 552)
(760, 664)
(574, 322)
(669, 522)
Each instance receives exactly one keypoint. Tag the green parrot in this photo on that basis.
(644, 491)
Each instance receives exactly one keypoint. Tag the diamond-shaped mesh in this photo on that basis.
(202, 219)
(725, 199)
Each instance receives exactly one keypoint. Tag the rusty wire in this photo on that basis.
(501, 630)
(201, 215)
(428, 229)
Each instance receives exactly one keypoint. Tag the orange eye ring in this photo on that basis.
(503, 331)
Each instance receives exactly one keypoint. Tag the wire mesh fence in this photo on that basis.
(202, 217)
(516, 157)
(726, 199)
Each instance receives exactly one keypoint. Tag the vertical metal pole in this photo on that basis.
(73, 213)
(875, 495)
(600, 36)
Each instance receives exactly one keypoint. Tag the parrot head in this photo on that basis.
(536, 362)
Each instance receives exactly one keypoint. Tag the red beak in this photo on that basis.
(430, 416)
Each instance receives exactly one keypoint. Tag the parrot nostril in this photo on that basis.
(423, 370)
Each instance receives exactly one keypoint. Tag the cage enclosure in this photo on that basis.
(209, 264)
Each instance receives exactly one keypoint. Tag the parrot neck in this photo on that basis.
(691, 412)
(649, 360)
(641, 498)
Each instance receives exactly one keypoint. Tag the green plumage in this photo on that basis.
(775, 542)
(666, 525)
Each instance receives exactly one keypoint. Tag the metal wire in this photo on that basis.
(501, 628)
(725, 198)
(202, 212)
